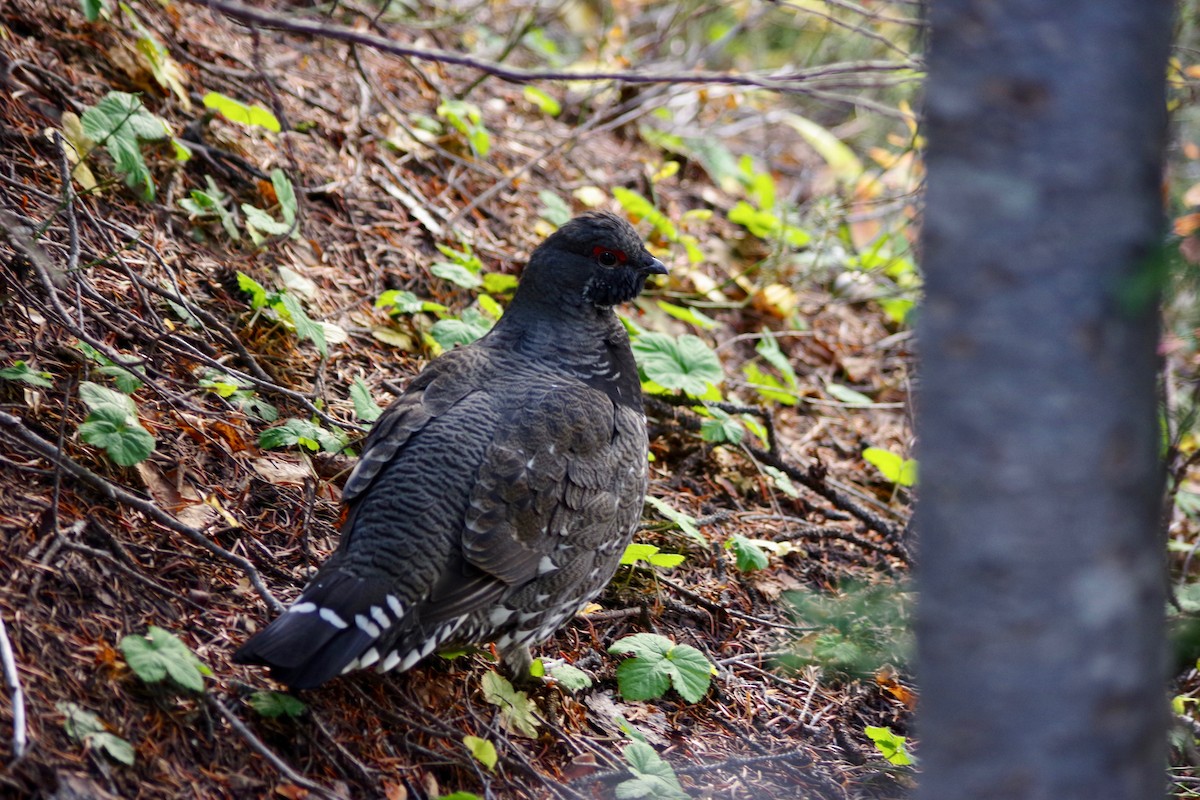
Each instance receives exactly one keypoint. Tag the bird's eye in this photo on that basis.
(608, 258)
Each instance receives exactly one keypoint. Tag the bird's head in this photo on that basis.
(596, 259)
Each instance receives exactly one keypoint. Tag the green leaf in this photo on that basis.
(276, 704)
(766, 225)
(847, 395)
(688, 315)
(120, 123)
(844, 164)
(482, 750)
(721, 428)
(544, 102)
(20, 371)
(304, 325)
(768, 348)
(365, 408)
(285, 193)
(895, 468)
(638, 206)
(304, 433)
(768, 386)
(554, 209)
(685, 522)
(95, 397)
(261, 225)
(635, 552)
(653, 777)
(258, 295)
(657, 664)
(241, 113)
(893, 747)
(449, 333)
(685, 362)
(517, 713)
(499, 282)
(402, 302)
(466, 118)
(456, 274)
(571, 679)
(126, 442)
(86, 728)
(459, 796)
(748, 555)
(92, 9)
(781, 481)
(126, 379)
(160, 654)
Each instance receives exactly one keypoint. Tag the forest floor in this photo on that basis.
(792, 542)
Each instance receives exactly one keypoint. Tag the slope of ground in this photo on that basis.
(201, 536)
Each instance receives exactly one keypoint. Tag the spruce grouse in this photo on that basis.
(496, 496)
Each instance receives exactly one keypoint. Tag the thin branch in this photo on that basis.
(261, 748)
(19, 740)
(17, 430)
(779, 81)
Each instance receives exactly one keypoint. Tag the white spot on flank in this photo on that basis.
(545, 565)
(368, 658)
(381, 617)
(529, 464)
(353, 665)
(366, 626)
(303, 608)
(396, 606)
(389, 663)
(499, 615)
(331, 616)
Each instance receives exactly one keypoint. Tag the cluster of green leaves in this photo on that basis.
(239, 392)
(273, 705)
(897, 469)
(658, 664)
(639, 207)
(518, 714)
(113, 425)
(891, 745)
(637, 553)
(284, 307)
(159, 655)
(89, 730)
(466, 118)
(653, 778)
(305, 433)
(858, 630)
(889, 262)
(120, 124)
(754, 554)
(21, 372)
(213, 205)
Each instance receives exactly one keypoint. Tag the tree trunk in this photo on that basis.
(1041, 653)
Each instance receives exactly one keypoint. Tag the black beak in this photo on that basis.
(654, 267)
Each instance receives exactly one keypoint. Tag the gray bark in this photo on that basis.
(1041, 654)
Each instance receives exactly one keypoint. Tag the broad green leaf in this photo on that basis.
(768, 348)
(449, 333)
(276, 704)
(544, 102)
(92, 9)
(635, 552)
(160, 654)
(456, 274)
(21, 372)
(365, 408)
(86, 728)
(482, 750)
(685, 522)
(120, 123)
(95, 397)
(554, 209)
(845, 165)
(245, 114)
(653, 777)
(685, 362)
(748, 555)
(895, 468)
(689, 315)
(459, 796)
(781, 481)
(638, 206)
(570, 678)
(402, 302)
(722, 428)
(126, 379)
(304, 433)
(261, 225)
(304, 325)
(893, 747)
(499, 282)
(119, 434)
(517, 713)
(659, 663)
(847, 395)
(466, 118)
(285, 194)
(768, 386)
(258, 295)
